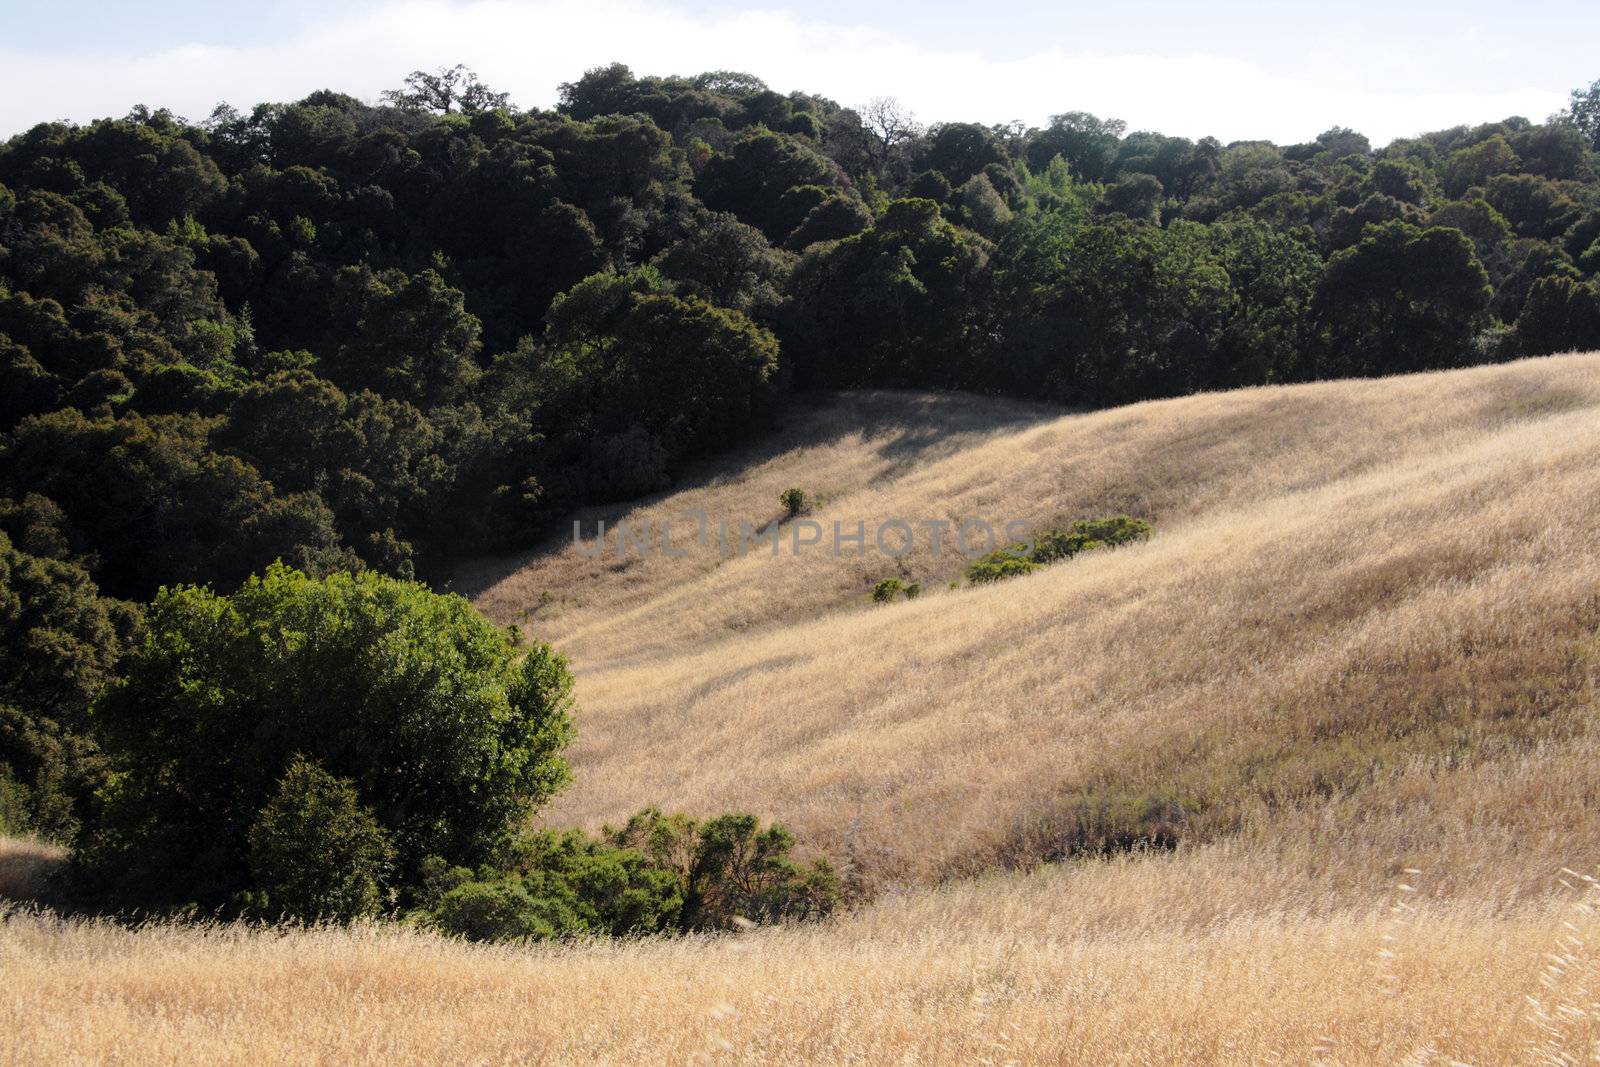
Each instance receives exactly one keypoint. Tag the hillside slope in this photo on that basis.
(1353, 677)
(1369, 611)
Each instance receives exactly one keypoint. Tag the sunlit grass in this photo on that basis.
(1357, 661)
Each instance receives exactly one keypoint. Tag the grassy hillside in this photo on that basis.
(1352, 677)
(1365, 632)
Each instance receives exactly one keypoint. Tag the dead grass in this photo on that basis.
(1359, 658)
(26, 866)
(1361, 597)
(1206, 959)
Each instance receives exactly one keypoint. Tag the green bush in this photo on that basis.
(1001, 563)
(1055, 545)
(616, 890)
(885, 591)
(16, 806)
(42, 809)
(1117, 530)
(732, 870)
(658, 874)
(315, 852)
(447, 733)
(743, 872)
(793, 500)
(501, 909)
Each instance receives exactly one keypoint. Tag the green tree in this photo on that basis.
(835, 218)
(1474, 166)
(892, 305)
(1560, 315)
(406, 337)
(985, 210)
(620, 352)
(1402, 299)
(315, 852)
(59, 645)
(1585, 112)
(1087, 144)
(157, 503)
(1137, 196)
(959, 150)
(725, 262)
(1534, 206)
(753, 176)
(447, 736)
(445, 90)
(1112, 312)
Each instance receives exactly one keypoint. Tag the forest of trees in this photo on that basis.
(356, 337)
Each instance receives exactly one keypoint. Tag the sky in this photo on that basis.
(1234, 69)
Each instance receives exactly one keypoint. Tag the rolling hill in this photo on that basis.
(1370, 605)
(1342, 706)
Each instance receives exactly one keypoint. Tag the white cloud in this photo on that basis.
(529, 46)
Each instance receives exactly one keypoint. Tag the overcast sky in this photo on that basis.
(1235, 69)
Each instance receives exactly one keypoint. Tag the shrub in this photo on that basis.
(1117, 530)
(412, 696)
(794, 501)
(732, 870)
(42, 809)
(884, 591)
(315, 852)
(743, 872)
(1055, 545)
(501, 909)
(615, 890)
(997, 565)
(16, 814)
(659, 873)
(436, 878)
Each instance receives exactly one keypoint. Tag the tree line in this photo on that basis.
(374, 337)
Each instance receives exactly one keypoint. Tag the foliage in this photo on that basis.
(1585, 112)
(373, 339)
(657, 874)
(793, 501)
(1052, 546)
(884, 591)
(501, 909)
(445, 90)
(1400, 299)
(411, 696)
(892, 305)
(59, 644)
(315, 852)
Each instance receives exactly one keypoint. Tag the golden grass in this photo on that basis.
(1370, 601)
(1203, 960)
(1361, 652)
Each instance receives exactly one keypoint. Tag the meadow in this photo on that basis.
(1307, 777)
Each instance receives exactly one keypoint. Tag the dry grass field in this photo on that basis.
(1371, 605)
(1353, 678)
(1208, 959)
